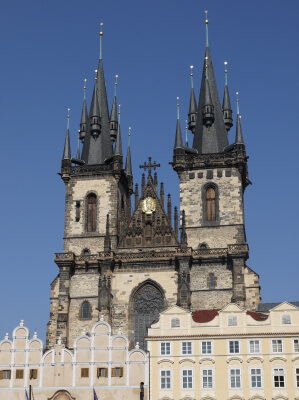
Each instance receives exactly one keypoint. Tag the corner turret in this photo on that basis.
(192, 106)
(84, 117)
(226, 107)
(178, 134)
(113, 124)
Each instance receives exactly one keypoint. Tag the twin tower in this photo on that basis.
(128, 267)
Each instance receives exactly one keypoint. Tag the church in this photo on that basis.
(127, 254)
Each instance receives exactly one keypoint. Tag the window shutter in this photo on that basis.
(9, 374)
(113, 371)
(211, 204)
(1, 374)
(91, 213)
(98, 372)
(121, 372)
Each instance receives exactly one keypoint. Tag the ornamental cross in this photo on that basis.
(149, 166)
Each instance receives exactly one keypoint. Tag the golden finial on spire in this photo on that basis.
(225, 63)
(130, 131)
(96, 77)
(68, 112)
(191, 68)
(116, 76)
(85, 80)
(237, 93)
(178, 108)
(119, 108)
(101, 29)
(207, 21)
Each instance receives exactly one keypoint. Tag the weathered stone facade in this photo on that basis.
(128, 266)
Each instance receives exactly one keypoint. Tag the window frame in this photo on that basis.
(284, 376)
(228, 346)
(173, 322)
(192, 347)
(204, 190)
(88, 196)
(251, 375)
(89, 310)
(114, 374)
(170, 348)
(4, 372)
(232, 320)
(202, 378)
(294, 349)
(235, 368)
(296, 367)
(33, 373)
(84, 371)
(192, 378)
(288, 319)
(105, 372)
(212, 347)
(260, 346)
(160, 378)
(282, 346)
(18, 373)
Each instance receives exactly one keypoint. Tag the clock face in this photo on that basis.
(149, 205)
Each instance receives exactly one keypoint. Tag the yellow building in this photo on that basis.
(100, 362)
(225, 354)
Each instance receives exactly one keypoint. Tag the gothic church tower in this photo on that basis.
(128, 267)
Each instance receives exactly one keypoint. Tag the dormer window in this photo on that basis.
(232, 320)
(175, 322)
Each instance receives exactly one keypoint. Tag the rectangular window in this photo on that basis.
(254, 346)
(165, 349)
(207, 379)
(234, 346)
(187, 378)
(19, 373)
(175, 323)
(165, 379)
(232, 320)
(5, 374)
(84, 372)
(296, 345)
(102, 372)
(277, 346)
(297, 377)
(235, 378)
(33, 374)
(256, 378)
(206, 347)
(187, 348)
(278, 377)
(117, 372)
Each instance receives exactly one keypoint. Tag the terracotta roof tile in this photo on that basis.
(204, 315)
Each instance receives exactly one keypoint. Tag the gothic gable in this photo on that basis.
(149, 225)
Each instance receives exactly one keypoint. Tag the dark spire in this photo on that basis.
(169, 208)
(136, 196)
(176, 222)
(94, 117)
(178, 134)
(107, 241)
(118, 146)
(78, 148)
(156, 180)
(212, 139)
(100, 150)
(84, 117)
(128, 168)
(192, 107)
(183, 230)
(113, 116)
(208, 107)
(142, 182)
(226, 107)
(239, 136)
(162, 194)
(67, 145)
(186, 140)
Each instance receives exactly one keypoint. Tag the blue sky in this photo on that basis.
(48, 48)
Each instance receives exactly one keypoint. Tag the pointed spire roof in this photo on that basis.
(113, 115)
(67, 145)
(226, 107)
(128, 168)
(211, 139)
(192, 106)
(118, 146)
(84, 117)
(78, 148)
(97, 151)
(178, 134)
(239, 135)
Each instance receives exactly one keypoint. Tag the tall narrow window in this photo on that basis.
(211, 281)
(211, 204)
(85, 310)
(91, 212)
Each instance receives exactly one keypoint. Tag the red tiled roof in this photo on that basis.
(204, 315)
(257, 316)
(209, 315)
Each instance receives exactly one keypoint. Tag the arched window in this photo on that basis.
(85, 311)
(91, 212)
(211, 204)
(147, 304)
